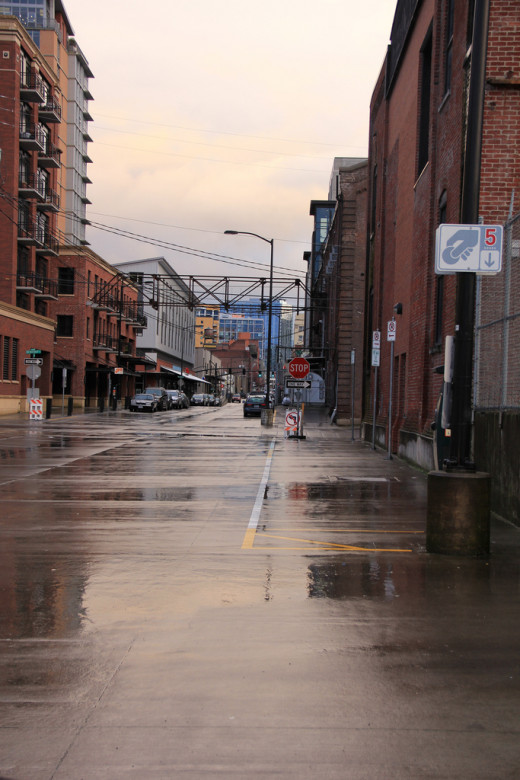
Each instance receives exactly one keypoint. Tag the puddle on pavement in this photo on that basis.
(365, 494)
(340, 579)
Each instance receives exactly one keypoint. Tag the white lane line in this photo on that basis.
(257, 508)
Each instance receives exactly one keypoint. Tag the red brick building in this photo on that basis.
(338, 301)
(43, 93)
(239, 360)
(418, 121)
(98, 314)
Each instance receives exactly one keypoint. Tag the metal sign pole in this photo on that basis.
(374, 411)
(389, 456)
(352, 389)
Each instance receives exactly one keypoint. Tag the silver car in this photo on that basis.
(143, 402)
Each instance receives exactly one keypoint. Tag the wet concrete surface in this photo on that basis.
(190, 595)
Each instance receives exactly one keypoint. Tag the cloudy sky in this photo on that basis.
(223, 115)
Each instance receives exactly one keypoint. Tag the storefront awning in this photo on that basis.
(190, 377)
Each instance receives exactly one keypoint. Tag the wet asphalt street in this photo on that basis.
(190, 595)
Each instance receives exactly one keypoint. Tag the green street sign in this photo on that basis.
(33, 352)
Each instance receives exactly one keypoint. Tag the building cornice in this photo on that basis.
(26, 317)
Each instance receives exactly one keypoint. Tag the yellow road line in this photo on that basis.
(330, 545)
(356, 531)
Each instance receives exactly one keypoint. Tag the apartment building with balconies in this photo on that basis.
(37, 52)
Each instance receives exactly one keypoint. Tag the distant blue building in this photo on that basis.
(255, 309)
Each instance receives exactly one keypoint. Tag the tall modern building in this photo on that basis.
(43, 177)
(231, 325)
(257, 309)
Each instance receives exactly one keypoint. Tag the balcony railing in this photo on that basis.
(51, 201)
(32, 136)
(28, 283)
(104, 343)
(50, 111)
(32, 88)
(29, 233)
(30, 186)
(48, 289)
(48, 243)
(50, 155)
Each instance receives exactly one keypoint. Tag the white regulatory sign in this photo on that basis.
(474, 248)
(376, 339)
(390, 330)
(376, 357)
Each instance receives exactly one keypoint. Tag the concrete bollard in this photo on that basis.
(458, 512)
(266, 417)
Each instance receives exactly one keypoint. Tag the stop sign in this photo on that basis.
(299, 368)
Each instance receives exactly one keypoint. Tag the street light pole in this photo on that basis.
(270, 308)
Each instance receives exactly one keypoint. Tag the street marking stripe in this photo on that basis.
(355, 531)
(249, 537)
(330, 545)
(334, 549)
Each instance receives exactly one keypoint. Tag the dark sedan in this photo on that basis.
(253, 405)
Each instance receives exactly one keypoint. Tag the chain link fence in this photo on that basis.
(497, 338)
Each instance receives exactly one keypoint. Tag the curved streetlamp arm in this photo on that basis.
(247, 233)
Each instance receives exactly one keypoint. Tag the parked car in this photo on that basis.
(177, 399)
(236, 398)
(143, 402)
(217, 401)
(161, 396)
(211, 399)
(253, 405)
(199, 399)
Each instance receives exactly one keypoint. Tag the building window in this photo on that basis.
(439, 285)
(424, 103)
(65, 281)
(373, 209)
(23, 301)
(14, 360)
(6, 356)
(448, 56)
(64, 325)
(40, 307)
(23, 261)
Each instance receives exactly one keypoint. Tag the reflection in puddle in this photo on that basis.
(362, 578)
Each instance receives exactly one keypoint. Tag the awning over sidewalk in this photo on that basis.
(190, 377)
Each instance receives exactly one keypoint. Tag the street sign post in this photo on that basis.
(390, 336)
(468, 248)
(376, 362)
(299, 368)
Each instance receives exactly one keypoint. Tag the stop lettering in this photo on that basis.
(299, 368)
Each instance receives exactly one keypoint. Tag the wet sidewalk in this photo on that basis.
(195, 596)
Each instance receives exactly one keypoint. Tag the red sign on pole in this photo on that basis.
(299, 367)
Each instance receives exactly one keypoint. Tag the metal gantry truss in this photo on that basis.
(225, 291)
